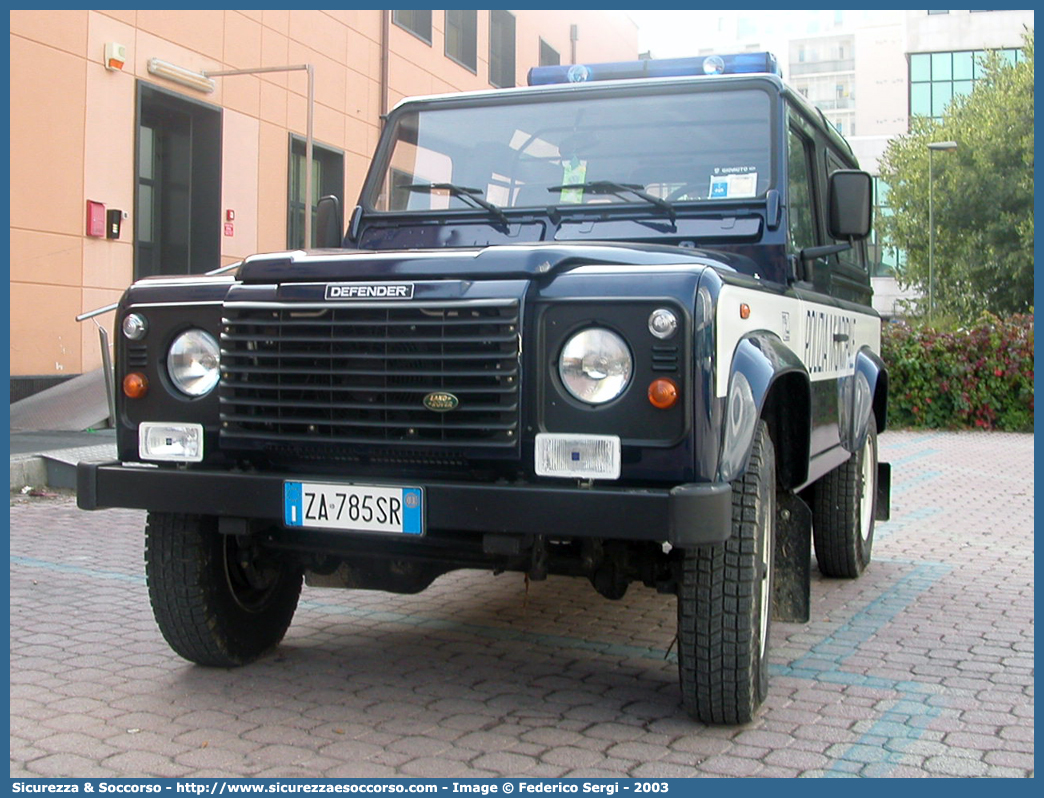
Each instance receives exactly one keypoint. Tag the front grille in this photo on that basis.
(360, 375)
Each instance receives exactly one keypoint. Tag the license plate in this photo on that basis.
(354, 508)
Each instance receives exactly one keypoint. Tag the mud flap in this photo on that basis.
(883, 511)
(793, 559)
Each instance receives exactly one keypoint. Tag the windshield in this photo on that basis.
(575, 151)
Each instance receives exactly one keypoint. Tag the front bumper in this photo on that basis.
(684, 516)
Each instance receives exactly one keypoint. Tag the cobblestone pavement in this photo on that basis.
(924, 667)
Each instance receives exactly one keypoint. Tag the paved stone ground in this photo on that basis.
(924, 667)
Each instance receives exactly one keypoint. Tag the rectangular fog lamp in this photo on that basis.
(179, 443)
(578, 456)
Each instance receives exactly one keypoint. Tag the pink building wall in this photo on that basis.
(73, 132)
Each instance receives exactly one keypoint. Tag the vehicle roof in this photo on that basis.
(593, 87)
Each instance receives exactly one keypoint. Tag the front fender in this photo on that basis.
(767, 380)
(861, 393)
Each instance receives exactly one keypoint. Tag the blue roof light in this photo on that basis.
(734, 64)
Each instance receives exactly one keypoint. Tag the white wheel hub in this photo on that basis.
(867, 488)
(768, 516)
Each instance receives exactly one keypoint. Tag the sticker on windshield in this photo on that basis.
(573, 171)
(733, 184)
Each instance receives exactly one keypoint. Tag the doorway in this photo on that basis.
(178, 185)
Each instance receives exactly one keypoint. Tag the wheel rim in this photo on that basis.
(867, 488)
(249, 582)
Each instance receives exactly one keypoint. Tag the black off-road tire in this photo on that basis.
(216, 603)
(843, 509)
(725, 602)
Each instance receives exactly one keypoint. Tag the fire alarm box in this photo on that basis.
(113, 219)
(96, 219)
(115, 56)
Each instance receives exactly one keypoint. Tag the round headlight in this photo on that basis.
(193, 362)
(595, 366)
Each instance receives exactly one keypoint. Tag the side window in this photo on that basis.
(856, 256)
(800, 197)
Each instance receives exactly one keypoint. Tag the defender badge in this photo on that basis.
(369, 291)
(441, 402)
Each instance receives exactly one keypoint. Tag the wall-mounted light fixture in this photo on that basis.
(186, 77)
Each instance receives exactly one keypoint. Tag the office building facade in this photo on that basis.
(124, 163)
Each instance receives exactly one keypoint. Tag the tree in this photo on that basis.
(982, 195)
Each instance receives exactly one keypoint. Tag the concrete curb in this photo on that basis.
(56, 468)
(28, 470)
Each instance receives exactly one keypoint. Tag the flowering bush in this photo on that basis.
(980, 376)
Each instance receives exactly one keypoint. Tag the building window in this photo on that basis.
(327, 178)
(501, 49)
(936, 78)
(886, 259)
(462, 37)
(549, 55)
(415, 21)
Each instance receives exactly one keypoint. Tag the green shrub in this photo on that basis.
(980, 376)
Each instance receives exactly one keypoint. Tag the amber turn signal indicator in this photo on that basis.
(135, 385)
(744, 311)
(663, 393)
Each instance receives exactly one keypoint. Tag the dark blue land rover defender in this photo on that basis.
(616, 324)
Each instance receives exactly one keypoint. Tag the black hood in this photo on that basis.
(525, 261)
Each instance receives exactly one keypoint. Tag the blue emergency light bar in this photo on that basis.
(734, 64)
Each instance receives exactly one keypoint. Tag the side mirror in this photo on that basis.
(851, 204)
(329, 223)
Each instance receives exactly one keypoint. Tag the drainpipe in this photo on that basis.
(385, 54)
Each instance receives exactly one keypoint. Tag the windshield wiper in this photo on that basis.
(472, 195)
(618, 190)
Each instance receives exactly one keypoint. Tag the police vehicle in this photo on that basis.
(613, 325)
